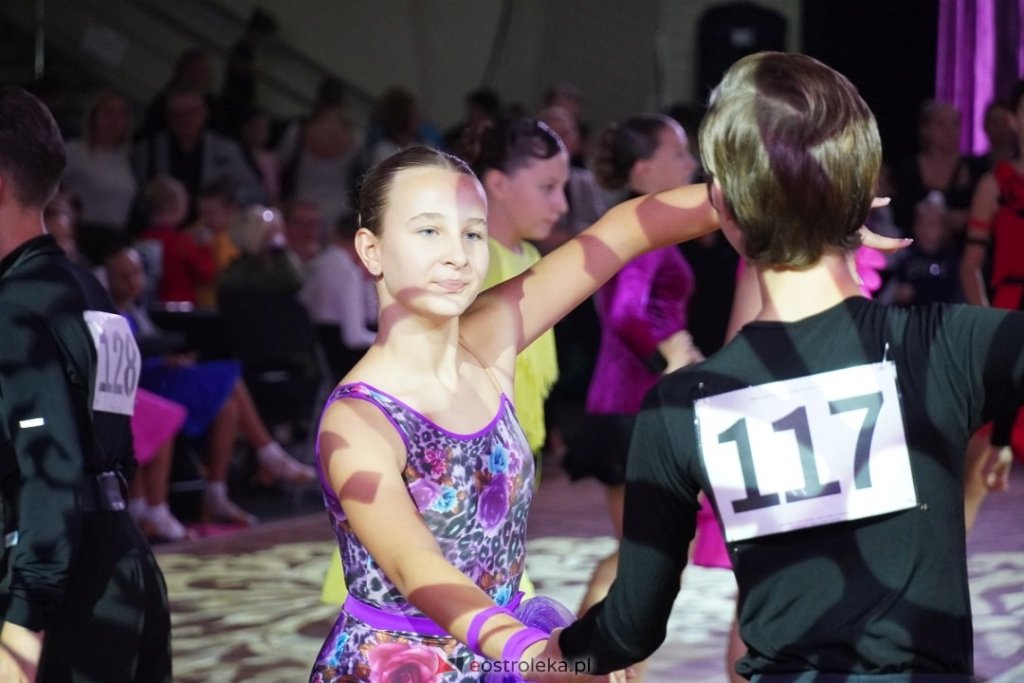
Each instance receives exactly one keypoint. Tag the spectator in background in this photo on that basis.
(264, 263)
(396, 120)
(568, 97)
(218, 402)
(184, 265)
(318, 155)
(303, 229)
(191, 152)
(60, 219)
(218, 211)
(939, 165)
(1001, 133)
(583, 196)
(254, 134)
(238, 94)
(155, 425)
(341, 299)
(482, 106)
(99, 174)
(192, 71)
(928, 271)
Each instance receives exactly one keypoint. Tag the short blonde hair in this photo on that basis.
(163, 195)
(796, 152)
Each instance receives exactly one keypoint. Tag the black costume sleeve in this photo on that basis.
(40, 418)
(659, 521)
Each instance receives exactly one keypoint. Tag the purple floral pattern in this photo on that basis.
(473, 491)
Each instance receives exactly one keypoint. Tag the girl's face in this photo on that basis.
(533, 197)
(670, 166)
(431, 257)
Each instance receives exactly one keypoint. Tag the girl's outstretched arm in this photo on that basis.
(528, 305)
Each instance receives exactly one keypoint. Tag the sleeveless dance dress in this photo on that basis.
(474, 492)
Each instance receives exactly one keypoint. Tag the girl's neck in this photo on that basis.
(788, 294)
(415, 346)
(501, 230)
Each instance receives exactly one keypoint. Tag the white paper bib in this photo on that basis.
(118, 362)
(806, 452)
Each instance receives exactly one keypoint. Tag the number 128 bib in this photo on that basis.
(118, 362)
(806, 452)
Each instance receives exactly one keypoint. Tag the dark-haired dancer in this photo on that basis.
(81, 596)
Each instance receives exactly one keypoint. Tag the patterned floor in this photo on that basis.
(246, 607)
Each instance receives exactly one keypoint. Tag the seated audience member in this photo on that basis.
(303, 228)
(218, 211)
(155, 424)
(184, 265)
(99, 174)
(61, 221)
(192, 153)
(318, 154)
(341, 299)
(218, 403)
(191, 72)
(254, 136)
(264, 263)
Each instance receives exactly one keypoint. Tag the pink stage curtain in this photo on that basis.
(980, 58)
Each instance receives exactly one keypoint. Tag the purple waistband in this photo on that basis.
(384, 620)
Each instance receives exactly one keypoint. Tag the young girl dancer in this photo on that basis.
(427, 475)
(642, 310)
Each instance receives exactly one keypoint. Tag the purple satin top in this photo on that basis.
(641, 306)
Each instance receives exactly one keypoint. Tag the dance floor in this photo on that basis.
(246, 607)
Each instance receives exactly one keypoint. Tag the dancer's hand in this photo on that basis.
(880, 242)
(678, 350)
(10, 670)
(997, 468)
(548, 666)
(19, 653)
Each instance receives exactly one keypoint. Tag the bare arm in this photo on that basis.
(984, 205)
(363, 457)
(530, 304)
(19, 653)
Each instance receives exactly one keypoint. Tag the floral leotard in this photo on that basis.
(473, 491)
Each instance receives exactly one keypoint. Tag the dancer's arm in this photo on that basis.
(363, 458)
(530, 304)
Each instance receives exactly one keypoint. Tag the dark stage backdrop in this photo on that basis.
(887, 48)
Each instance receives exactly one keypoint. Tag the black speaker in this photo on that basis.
(731, 31)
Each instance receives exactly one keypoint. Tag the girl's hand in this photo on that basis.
(875, 241)
(548, 666)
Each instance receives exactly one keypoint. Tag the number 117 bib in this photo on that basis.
(806, 452)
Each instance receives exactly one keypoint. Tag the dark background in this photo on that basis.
(887, 48)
